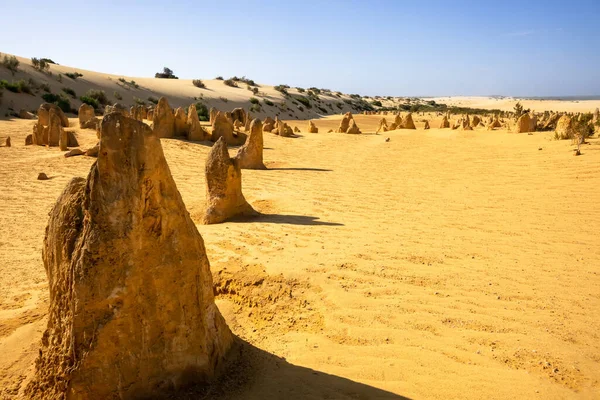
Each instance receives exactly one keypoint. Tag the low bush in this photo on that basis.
(223, 99)
(117, 95)
(90, 101)
(152, 100)
(198, 83)
(20, 86)
(282, 89)
(166, 74)
(70, 92)
(45, 87)
(202, 111)
(219, 78)
(73, 75)
(230, 82)
(268, 102)
(10, 63)
(139, 101)
(40, 64)
(99, 95)
(304, 101)
(254, 100)
(255, 108)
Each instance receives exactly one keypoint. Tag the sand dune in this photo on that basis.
(440, 264)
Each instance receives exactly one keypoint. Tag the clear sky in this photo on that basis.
(375, 47)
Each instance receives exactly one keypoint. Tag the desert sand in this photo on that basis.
(439, 264)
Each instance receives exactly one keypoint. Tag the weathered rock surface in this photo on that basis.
(132, 310)
(445, 123)
(86, 114)
(407, 122)
(564, 128)
(163, 119)
(250, 155)
(224, 196)
(180, 122)
(222, 127)
(195, 131)
(345, 123)
(353, 129)
(312, 128)
(523, 124)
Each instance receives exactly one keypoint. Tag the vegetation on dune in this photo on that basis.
(202, 111)
(70, 92)
(74, 75)
(305, 101)
(131, 83)
(230, 82)
(98, 95)
(254, 100)
(268, 102)
(152, 99)
(41, 64)
(20, 86)
(245, 80)
(166, 74)
(282, 89)
(219, 78)
(60, 100)
(10, 63)
(377, 103)
(117, 95)
(199, 84)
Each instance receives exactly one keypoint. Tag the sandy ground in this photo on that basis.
(441, 264)
(508, 103)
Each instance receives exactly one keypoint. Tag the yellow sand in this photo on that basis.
(441, 264)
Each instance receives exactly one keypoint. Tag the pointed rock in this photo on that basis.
(250, 155)
(164, 120)
(132, 309)
(224, 196)
(195, 131)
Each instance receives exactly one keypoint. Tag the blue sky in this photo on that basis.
(376, 47)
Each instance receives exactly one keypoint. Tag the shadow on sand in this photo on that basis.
(298, 169)
(253, 373)
(293, 220)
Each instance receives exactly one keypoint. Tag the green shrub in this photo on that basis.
(254, 100)
(117, 95)
(17, 87)
(300, 90)
(315, 90)
(59, 78)
(139, 101)
(73, 75)
(219, 78)
(98, 95)
(198, 83)
(304, 101)
(223, 99)
(90, 101)
(323, 110)
(10, 63)
(202, 111)
(61, 101)
(70, 92)
(41, 64)
(50, 97)
(377, 103)
(339, 105)
(64, 103)
(230, 82)
(282, 89)
(255, 108)
(268, 102)
(152, 100)
(255, 91)
(166, 74)
(243, 79)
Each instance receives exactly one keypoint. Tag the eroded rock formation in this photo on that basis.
(132, 309)
(250, 155)
(224, 196)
